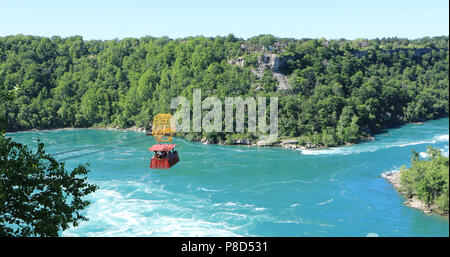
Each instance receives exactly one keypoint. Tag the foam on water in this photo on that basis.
(442, 138)
(390, 172)
(445, 151)
(325, 202)
(330, 151)
(424, 154)
(207, 190)
(371, 146)
(288, 221)
(114, 214)
(235, 206)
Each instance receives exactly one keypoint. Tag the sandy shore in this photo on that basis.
(413, 202)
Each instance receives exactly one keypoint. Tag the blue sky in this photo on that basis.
(297, 19)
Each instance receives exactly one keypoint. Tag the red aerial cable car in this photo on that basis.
(165, 156)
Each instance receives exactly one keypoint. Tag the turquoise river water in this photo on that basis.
(218, 190)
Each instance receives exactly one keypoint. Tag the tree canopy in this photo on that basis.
(340, 90)
(38, 197)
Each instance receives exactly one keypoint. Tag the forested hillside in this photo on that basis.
(339, 90)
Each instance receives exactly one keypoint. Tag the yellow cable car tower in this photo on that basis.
(162, 129)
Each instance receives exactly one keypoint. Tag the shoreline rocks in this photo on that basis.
(393, 178)
(265, 143)
(413, 202)
(244, 141)
(137, 129)
(289, 143)
(205, 141)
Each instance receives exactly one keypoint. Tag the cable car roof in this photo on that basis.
(162, 147)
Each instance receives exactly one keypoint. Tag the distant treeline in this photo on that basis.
(341, 90)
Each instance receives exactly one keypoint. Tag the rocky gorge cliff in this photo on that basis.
(272, 62)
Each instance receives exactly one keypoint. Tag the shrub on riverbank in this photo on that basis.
(428, 180)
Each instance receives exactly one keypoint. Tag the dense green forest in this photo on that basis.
(428, 180)
(340, 90)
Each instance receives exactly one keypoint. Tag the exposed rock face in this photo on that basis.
(282, 81)
(239, 61)
(275, 64)
(272, 62)
(269, 60)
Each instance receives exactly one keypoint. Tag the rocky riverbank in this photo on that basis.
(413, 202)
(286, 143)
(289, 143)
